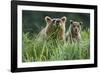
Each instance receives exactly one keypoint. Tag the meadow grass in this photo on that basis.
(34, 50)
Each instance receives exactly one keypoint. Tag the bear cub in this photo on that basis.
(74, 32)
(55, 28)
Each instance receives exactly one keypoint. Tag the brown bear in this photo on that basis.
(55, 28)
(74, 32)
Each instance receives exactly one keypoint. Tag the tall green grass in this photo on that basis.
(52, 50)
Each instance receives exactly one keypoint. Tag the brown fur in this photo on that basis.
(74, 32)
(55, 28)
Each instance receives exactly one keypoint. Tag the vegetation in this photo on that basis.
(50, 50)
(34, 49)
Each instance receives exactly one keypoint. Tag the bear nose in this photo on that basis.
(57, 21)
(76, 30)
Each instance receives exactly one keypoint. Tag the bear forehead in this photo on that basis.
(76, 23)
(56, 19)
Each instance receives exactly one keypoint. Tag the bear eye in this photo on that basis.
(53, 21)
(73, 25)
(78, 26)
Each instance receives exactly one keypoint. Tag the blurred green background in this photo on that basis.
(33, 21)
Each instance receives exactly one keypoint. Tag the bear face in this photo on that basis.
(55, 22)
(55, 27)
(75, 27)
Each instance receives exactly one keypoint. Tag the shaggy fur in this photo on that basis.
(55, 28)
(74, 32)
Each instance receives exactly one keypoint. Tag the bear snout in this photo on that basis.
(58, 22)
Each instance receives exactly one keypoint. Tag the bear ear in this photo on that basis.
(64, 18)
(48, 19)
(71, 21)
(81, 23)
